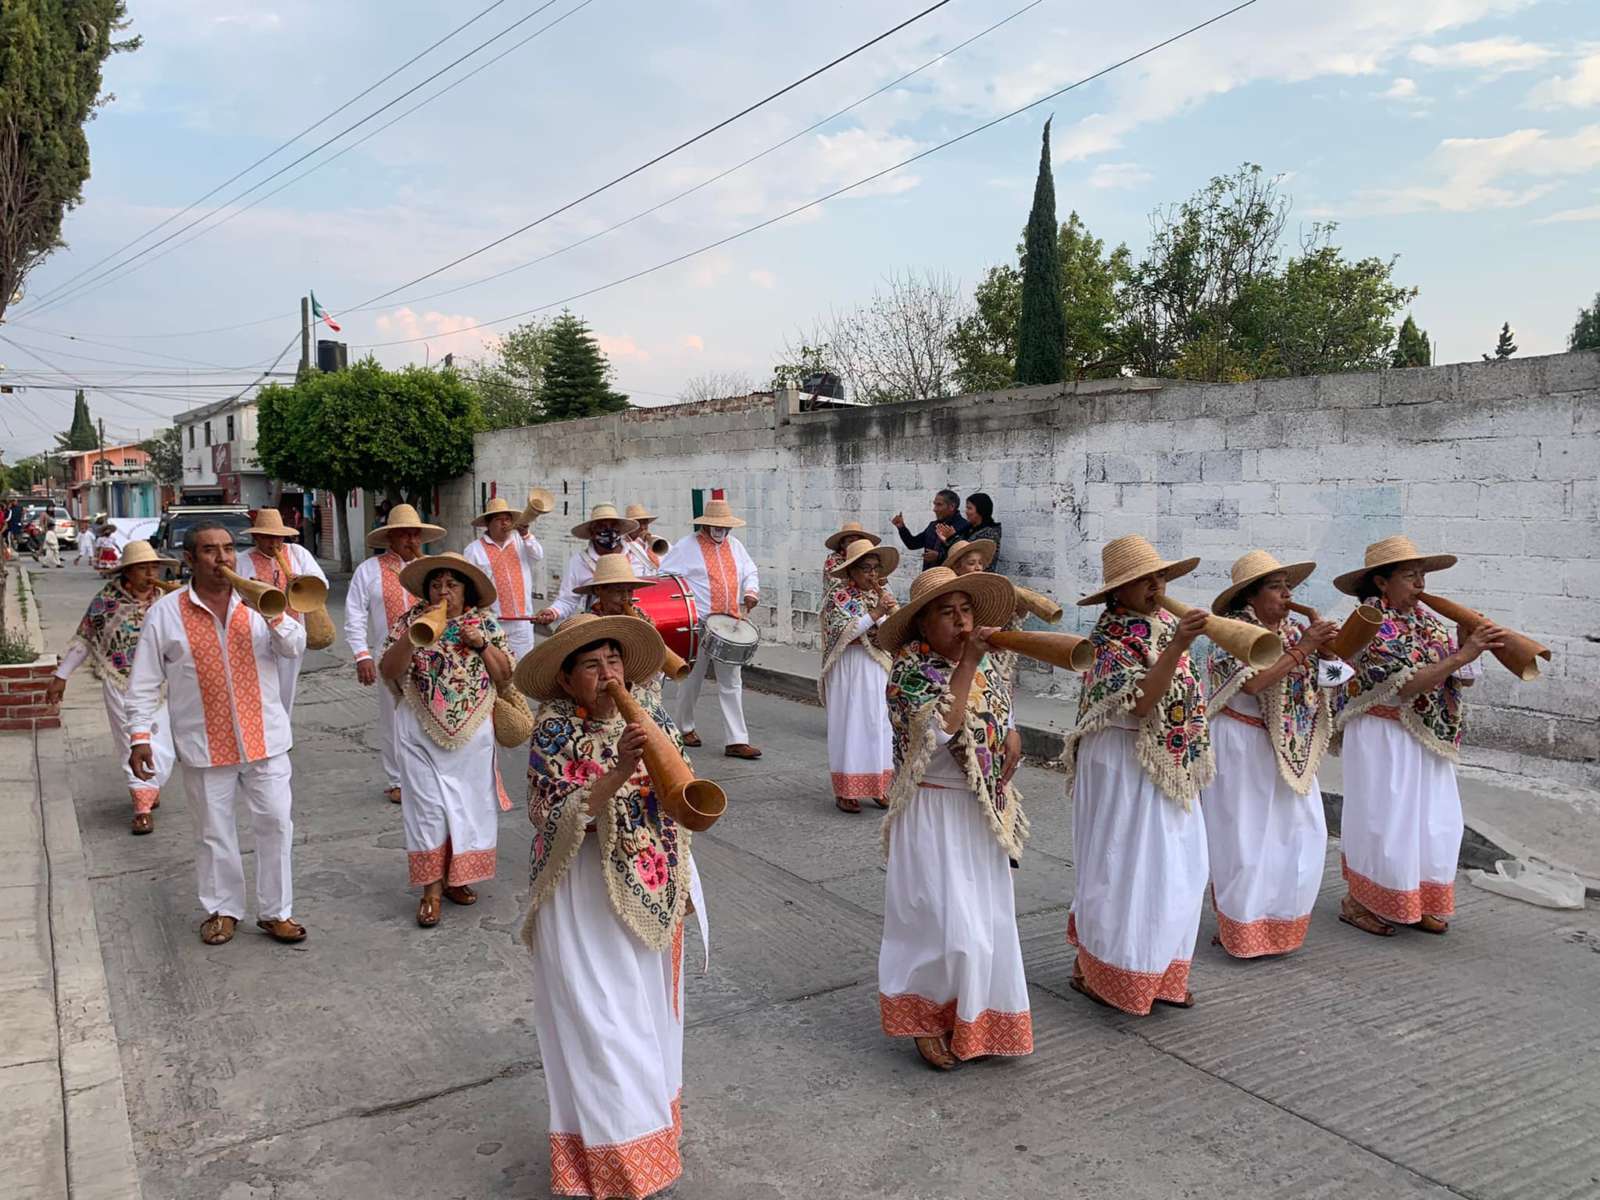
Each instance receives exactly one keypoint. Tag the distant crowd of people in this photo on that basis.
(952, 523)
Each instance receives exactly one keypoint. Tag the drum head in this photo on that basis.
(733, 630)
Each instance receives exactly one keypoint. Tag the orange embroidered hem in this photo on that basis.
(1268, 935)
(633, 1169)
(861, 787)
(457, 870)
(1131, 991)
(144, 799)
(1401, 907)
(992, 1032)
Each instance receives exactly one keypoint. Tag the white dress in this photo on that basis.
(144, 792)
(448, 803)
(860, 738)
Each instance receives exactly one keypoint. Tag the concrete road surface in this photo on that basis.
(379, 1060)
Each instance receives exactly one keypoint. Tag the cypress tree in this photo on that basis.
(1504, 346)
(1411, 346)
(82, 435)
(1042, 327)
(576, 376)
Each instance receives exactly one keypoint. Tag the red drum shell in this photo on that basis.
(670, 607)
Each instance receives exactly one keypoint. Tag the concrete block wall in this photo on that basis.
(1497, 463)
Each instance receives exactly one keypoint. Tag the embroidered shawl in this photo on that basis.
(447, 684)
(110, 630)
(919, 701)
(1297, 713)
(1406, 643)
(842, 613)
(829, 565)
(646, 853)
(1174, 740)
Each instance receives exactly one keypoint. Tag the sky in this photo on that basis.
(1462, 136)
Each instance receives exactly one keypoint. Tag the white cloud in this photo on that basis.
(1581, 89)
(1401, 89)
(443, 332)
(763, 279)
(1119, 175)
(1473, 174)
(694, 342)
(621, 346)
(1486, 56)
(1591, 213)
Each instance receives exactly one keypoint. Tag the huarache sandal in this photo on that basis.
(1186, 1002)
(1434, 925)
(281, 929)
(691, 738)
(936, 1053)
(218, 929)
(428, 912)
(393, 794)
(1354, 914)
(155, 804)
(846, 805)
(1081, 985)
(142, 823)
(881, 801)
(461, 894)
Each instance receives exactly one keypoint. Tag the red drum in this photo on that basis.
(669, 604)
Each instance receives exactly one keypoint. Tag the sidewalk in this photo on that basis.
(1508, 816)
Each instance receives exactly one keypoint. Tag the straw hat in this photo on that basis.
(641, 514)
(138, 552)
(403, 516)
(992, 596)
(1258, 564)
(613, 568)
(849, 529)
(888, 559)
(959, 550)
(720, 514)
(414, 575)
(538, 674)
(1390, 550)
(604, 512)
(496, 506)
(1124, 559)
(270, 521)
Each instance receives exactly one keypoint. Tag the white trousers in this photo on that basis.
(219, 871)
(519, 636)
(730, 693)
(386, 750)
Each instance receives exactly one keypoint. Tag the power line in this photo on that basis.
(60, 296)
(89, 341)
(837, 192)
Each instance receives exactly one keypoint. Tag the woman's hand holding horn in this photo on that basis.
(1486, 637)
(1317, 635)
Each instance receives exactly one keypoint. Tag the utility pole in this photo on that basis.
(305, 334)
(104, 472)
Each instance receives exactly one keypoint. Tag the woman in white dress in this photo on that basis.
(1269, 729)
(855, 671)
(950, 965)
(1136, 761)
(443, 732)
(1401, 723)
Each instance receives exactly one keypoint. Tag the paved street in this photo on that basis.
(379, 1060)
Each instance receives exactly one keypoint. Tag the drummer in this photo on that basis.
(723, 577)
(605, 532)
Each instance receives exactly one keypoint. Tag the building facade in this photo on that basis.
(115, 481)
(219, 455)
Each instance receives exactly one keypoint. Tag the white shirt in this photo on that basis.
(513, 581)
(644, 565)
(374, 602)
(580, 570)
(688, 559)
(224, 703)
(86, 545)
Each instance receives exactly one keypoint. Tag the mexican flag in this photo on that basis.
(318, 313)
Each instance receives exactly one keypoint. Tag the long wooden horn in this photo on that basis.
(693, 803)
(540, 501)
(267, 600)
(660, 545)
(1359, 628)
(428, 628)
(1248, 643)
(170, 585)
(1065, 650)
(1520, 655)
(675, 668)
(1038, 604)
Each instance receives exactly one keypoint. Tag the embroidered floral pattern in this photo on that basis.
(1296, 715)
(843, 611)
(1406, 643)
(110, 630)
(447, 684)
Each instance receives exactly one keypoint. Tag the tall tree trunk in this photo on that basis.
(341, 526)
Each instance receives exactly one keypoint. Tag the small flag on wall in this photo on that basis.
(701, 495)
(318, 313)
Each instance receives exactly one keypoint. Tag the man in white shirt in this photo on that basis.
(277, 560)
(373, 604)
(217, 660)
(642, 543)
(510, 558)
(606, 532)
(723, 578)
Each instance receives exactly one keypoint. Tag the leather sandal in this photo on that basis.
(281, 929)
(1081, 985)
(846, 805)
(935, 1052)
(460, 894)
(142, 823)
(393, 794)
(218, 929)
(155, 804)
(1186, 1002)
(741, 750)
(691, 738)
(1434, 925)
(428, 911)
(881, 801)
(1352, 912)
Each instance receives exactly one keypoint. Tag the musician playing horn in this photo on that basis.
(605, 532)
(374, 603)
(217, 660)
(1401, 721)
(855, 671)
(1265, 830)
(1136, 761)
(723, 578)
(106, 638)
(950, 967)
(611, 880)
(511, 559)
(641, 542)
(276, 559)
(609, 593)
(974, 558)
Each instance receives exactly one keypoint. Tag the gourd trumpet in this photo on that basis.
(1248, 643)
(428, 628)
(1359, 628)
(267, 600)
(660, 545)
(1065, 650)
(170, 585)
(540, 501)
(1520, 655)
(693, 803)
(1038, 604)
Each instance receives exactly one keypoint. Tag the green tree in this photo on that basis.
(804, 360)
(577, 377)
(1585, 333)
(50, 58)
(1041, 326)
(508, 384)
(984, 344)
(166, 456)
(1411, 347)
(1505, 346)
(82, 434)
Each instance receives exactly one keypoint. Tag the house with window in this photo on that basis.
(219, 455)
(115, 481)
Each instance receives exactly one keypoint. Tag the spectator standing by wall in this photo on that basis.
(946, 527)
(981, 524)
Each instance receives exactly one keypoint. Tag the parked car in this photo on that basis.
(178, 520)
(66, 527)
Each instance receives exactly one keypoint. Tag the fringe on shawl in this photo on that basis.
(1178, 786)
(570, 833)
(1388, 693)
(647, 930)
(425, 718)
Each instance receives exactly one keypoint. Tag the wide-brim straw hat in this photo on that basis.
(538, 674)
(403, 516)
(138, 552)
(993, 599)
(1258, 564)
(270, 521)
(1388, 552)
(888, 558)
(959, 550)
(639, 513)
(613, 569)
(720, 514)
(1124, 559)
(603, 512)
(850, 529)
(496, 506)
(414, 575)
